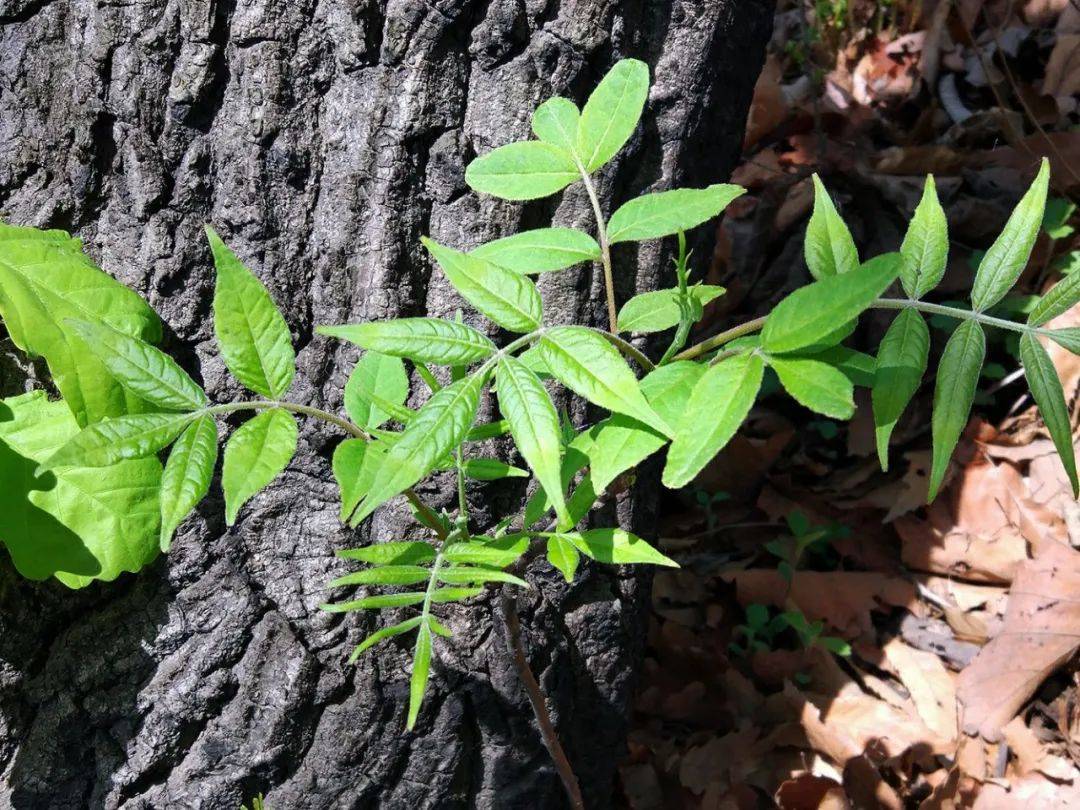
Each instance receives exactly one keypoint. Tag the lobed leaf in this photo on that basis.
(611, 114)
(556, 122)
(829, 249)
(660, 310)
(587, 364)
(382, 635)
(534, 424)
(425, 340)
(187, 475)
(812, 312)
(103, 444)
(402, 552)
(616, 546)
(925, 250)
(376, 378)
(252, 334)
(816, 385)
(726, 391)
(541, 250)
(665, 213)
(256, 453)
(1046, 388)
(957, 379)
(143, 370)
(901, 364)
(508, 298)
(526, 170)
(439, 427)
(1006, 259)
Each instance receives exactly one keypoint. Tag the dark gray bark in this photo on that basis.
(322, 139)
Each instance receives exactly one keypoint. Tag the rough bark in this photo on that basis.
(322, 138)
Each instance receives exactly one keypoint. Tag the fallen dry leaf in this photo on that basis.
(1028, 793)
(1041, 631)
(932, 687)
(805, 791)
(1032, 756)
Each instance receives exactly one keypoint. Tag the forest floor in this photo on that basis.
(831, 641)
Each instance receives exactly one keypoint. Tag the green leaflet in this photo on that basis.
(76, 523)
(829, 249)
(443, 595)
(508, 298)
(384, 600)
(812, 312)
(1068, 338)
(858, 367)
(256, 453)
(564, 556)
(485, 551)
(354, 464)
(439, 427)
(925, 250)
(488, 431)
(667, 212)
(425, 340)
(611, 114)
(103, 444)
(1058, 300)
(384, 575)
(659, 310)
(144, 371)
(1046, 389)
(1006, 259)
(382, 635)
(614, 445)
(402, 552)
(421, 671)
(44, 280)
(376, 376)
(491, 469)
(525, 170)
(468, 576)
(957, 379)
(616, 546)
(534, 424)
(556, 122)
(726, 392)
(253, 337)
(816, 385)
(540, 251)
(187, 475)
(901, 363)
(669, 387)
(587, 364)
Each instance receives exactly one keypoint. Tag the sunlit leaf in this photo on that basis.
(556, 122)
(525, 170)
(925, 249)
(816, 385)
(616, 546)
(103, 444)
(611, 114)
(376, 378)
(401, 552)
(540, 251)
(426, 340)
(665, 213)
(829, 249)
(382, 635)
(659, 310)
(187, 475)
(256, 454)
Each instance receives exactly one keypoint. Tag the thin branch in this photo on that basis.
(516, 648)
(605, 249)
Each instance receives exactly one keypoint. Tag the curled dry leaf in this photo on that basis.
(932, 687)
(1041, 631)
(1032, 756)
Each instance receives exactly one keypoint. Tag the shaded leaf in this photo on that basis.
(901, 364)
(925, 250)
(957, 379)
(1059, 299)
(816, 385)
(1050, 397)
(829, 249)
(491, 469)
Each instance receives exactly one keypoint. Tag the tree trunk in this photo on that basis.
(322, 139)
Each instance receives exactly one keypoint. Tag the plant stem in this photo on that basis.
(605, 249)
(539, 704)
(629, 350)
(716, 341)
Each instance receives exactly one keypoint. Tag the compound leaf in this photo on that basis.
(187, 475)
(816, 385)
(526, 170)
(508, 298)
(587, 364)
(252, 334)
(384, 600)
(812, 312)
(611, 114)
(957, 379)
(541, 250)
(925, 249)
(829, 249)
(425, 340)
(726, 391)
(1050, 397)
(668, 388)
(614, 445)
(256, 453)
(665, 213)
(1006, 259)
(901, 364)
